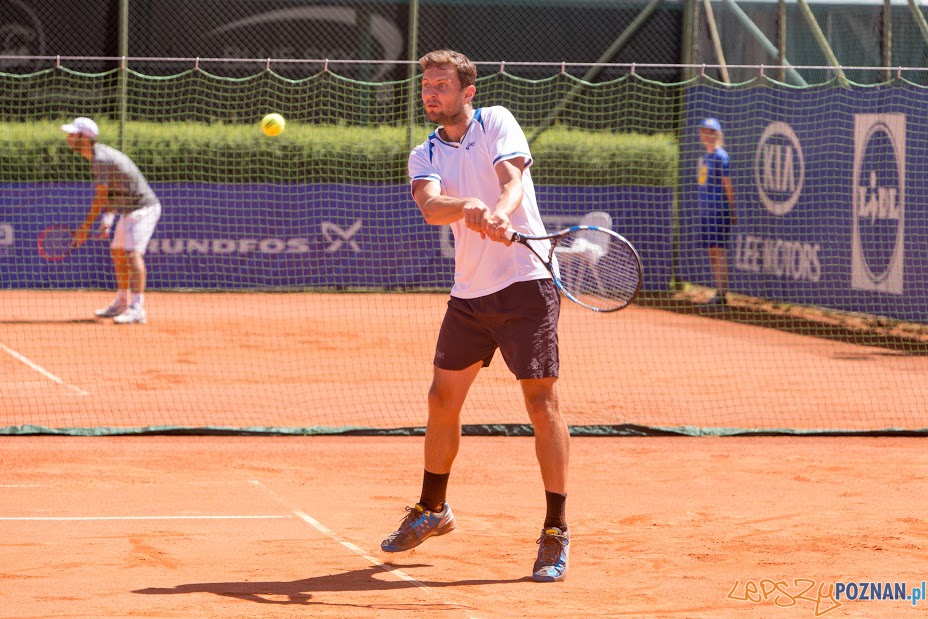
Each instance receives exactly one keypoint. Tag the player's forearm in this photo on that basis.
(729, 190)
(442, 210)
(510, 198)
(96, 207)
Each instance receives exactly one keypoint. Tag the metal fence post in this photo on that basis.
(123, 78)
(886, 44)
(412, 56)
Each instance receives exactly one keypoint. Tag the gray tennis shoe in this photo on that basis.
(115, 309)
(419, 525)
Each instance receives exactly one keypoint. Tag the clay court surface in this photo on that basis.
(290, 527)
(302, 360)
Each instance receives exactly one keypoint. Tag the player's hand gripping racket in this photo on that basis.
(592, 266)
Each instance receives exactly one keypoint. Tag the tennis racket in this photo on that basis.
(55, 243)
(593, 266)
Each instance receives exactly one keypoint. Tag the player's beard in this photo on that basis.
(443, 117)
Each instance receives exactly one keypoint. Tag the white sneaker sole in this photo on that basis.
(135, 320)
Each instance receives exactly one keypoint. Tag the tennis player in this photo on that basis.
(716, 205)
(473, 173)
(120, 189)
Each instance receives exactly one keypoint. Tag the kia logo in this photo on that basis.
(779, 168)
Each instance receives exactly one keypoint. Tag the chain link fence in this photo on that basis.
(376, 34)
(31, 28)
(862, 34)
(595, 39)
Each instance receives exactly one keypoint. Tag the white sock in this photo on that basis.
(137, 299)
(122, 297)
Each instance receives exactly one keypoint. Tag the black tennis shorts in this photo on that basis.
(520, 320)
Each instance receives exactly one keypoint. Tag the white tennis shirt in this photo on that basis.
(467, 169)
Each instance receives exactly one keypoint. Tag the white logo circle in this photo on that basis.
(21, 34)
(779, 168)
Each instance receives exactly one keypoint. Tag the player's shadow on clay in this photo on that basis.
(301, 591)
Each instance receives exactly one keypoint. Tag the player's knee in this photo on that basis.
(442, 405)
(543, 408)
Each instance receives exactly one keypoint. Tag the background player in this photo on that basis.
(120, 189)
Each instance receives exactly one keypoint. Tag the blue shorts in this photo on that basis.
(520, 320)
(715, 231)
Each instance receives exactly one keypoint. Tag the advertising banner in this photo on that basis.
(320, 236)
(830, 186)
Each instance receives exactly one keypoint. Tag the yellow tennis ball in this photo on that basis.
(272, 124)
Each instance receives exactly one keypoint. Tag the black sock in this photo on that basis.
(434, 487)
(557, 511)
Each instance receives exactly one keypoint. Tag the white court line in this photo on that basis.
(41, 370)
(353, 548)
(91, 518)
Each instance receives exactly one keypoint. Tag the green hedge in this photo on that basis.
(188, 152)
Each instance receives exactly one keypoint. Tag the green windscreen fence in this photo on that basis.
(293, 286)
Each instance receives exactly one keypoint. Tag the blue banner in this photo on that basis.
(830, 186)
(321, 236)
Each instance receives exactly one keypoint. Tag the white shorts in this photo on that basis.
(134, 230)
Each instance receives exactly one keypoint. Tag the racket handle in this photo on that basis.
(512, 235)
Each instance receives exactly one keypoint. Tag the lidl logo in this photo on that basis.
(878, 250)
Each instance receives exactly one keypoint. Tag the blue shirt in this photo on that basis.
(713, 167)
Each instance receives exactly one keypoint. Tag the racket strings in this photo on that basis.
(55, 243)
(600, 270)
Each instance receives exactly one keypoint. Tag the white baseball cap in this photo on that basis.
(83, 126)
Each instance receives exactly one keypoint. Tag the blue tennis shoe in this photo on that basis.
(551, 564)
(418, 525)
